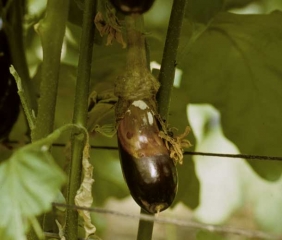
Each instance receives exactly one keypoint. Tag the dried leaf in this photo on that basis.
(110, 27)
(61, 230)
(100, 23)
(84, 197)
(176, 144)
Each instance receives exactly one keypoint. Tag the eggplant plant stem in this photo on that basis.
(145, 228)
(80, 113)
(51, 30)
(167, 71)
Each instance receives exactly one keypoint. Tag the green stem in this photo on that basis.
(51, 31)
(80, 113)
(145, 228)
(166, 76)
(13, 17)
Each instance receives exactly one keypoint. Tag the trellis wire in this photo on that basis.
(228, 155)
(178, 222)
(244, 156)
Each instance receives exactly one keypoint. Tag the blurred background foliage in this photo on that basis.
(229, 91)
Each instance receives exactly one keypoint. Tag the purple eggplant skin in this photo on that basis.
(150, 173)
(132, 6)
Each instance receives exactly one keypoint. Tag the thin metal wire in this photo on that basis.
(180, 223)
(244, 156)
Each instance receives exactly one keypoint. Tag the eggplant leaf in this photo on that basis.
(29, 182)
(235, 65)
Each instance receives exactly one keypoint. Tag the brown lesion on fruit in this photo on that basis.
(175, 144)
(129, 135)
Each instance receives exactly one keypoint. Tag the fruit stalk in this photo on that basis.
(137, 82)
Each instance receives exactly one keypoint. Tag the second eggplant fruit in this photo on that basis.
(132, 6)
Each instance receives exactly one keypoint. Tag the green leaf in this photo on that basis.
(101, 115)
(109, 181)
(236, 66)
(266, 206)
(204, 235)
(5, 152)
(102, 119)
(201, 10)
(76, 12)
(30, 181)
(237, 3)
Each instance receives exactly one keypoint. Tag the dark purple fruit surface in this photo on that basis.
(132, 6)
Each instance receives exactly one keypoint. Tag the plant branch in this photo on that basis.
(52, 137)
(51, 31)
(145, 228)
(80, 113)
(166, 76)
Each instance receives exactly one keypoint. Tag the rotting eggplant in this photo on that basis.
(150, 173)
(132, 6)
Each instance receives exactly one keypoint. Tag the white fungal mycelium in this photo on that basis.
(140, 104)
(150, 118)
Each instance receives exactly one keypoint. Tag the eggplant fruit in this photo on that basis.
(150, 173)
